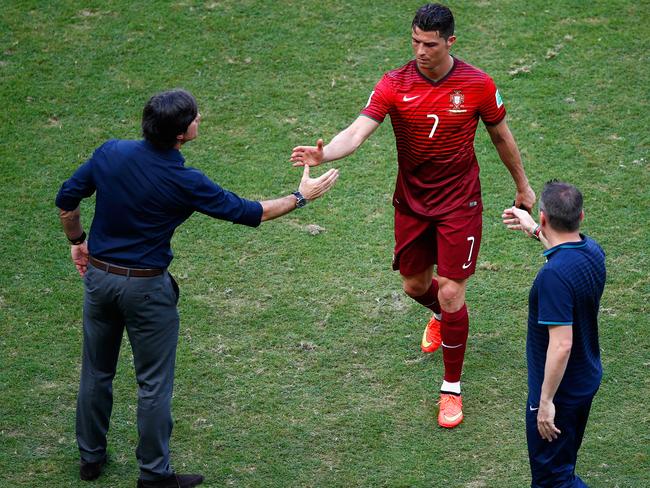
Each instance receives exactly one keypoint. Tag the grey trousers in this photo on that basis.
(147, 308)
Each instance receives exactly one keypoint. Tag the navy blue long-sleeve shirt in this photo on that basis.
(143, 194)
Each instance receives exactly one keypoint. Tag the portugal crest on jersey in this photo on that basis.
(456, 99)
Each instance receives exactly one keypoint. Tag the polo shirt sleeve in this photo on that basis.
(79, 186)
(211, 199)
(555, 299)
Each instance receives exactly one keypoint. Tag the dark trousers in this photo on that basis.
(147, 308)
(553, 464)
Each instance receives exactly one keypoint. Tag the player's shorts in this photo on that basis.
(452, 243)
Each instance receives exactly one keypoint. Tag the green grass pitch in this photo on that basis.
(299, 363)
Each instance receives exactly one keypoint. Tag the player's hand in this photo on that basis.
(313, 188)
(308, 155)
(79, 256)
(517, 219)
(546, 421)
(525, 199)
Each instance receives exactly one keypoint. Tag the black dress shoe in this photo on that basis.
(90, 471)
(173, 481)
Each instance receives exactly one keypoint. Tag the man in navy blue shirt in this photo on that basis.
(144, 192)
(564, 368)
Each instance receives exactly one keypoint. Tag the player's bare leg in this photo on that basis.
(451, 294)
(423, 288)
(418, 284)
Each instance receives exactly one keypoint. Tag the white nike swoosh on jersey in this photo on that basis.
(533, 409)
(408, 99)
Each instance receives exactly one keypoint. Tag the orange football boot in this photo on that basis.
(451, 410)
(431, 339)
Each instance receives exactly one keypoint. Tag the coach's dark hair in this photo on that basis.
(562, 205)
(166, 115)
(434, 17)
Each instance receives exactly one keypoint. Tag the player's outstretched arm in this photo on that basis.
(310, 188)
(344, 143)
(505, 144)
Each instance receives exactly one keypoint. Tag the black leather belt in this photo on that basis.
(122, 271)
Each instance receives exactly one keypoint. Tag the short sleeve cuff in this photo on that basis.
(497, 121)
(551, 322)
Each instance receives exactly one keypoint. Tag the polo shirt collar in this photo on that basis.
(566, 245)
(169, 154)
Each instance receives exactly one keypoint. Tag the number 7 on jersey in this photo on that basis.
(435, 124)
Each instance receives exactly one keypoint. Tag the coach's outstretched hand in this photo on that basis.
(308, 155)
(313, 188)
(518, 219)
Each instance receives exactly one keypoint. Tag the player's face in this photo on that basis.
(431, 51)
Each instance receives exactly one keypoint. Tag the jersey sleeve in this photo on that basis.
(80, 185)
(555, 299)
(491, 109)
(379, 101)
(211, 199)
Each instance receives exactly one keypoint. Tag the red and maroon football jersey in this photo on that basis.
(435, 124)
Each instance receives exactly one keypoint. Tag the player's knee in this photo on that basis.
(415, 288)
(451, 296)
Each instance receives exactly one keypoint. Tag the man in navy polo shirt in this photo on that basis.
(564, 368)
(143, 192)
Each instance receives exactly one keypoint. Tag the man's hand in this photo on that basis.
(79, 256)
(308, 155)
(525, 198)
(517, 219)
(546, 421)
(313, 188)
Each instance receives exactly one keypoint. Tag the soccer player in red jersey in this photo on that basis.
(435, 102)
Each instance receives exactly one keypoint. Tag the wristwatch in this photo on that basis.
(301, 201)
(78, 240)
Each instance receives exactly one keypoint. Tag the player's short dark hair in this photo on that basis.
(166, 115)
(434, 17)
(562, 205)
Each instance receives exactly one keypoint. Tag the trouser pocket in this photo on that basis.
(177, 290)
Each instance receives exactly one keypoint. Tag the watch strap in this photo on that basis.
(78, 240)
(301, 201)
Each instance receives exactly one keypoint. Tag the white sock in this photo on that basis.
(451, 387)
